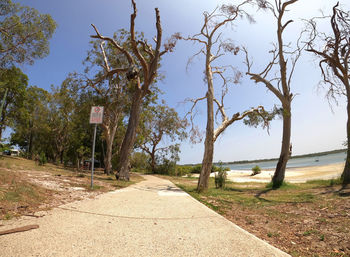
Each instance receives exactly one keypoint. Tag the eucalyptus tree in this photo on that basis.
(160, 125)
(334, 55)
(139, 53)
(112, 90)
(24, 34)
(62, 108)
(284, 59)
(12, 93)
(31, 131)
(213, 47)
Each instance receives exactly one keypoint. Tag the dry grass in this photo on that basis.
(26, 187)
(311, 219)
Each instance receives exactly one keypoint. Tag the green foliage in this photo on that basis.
(13, 83)
(183, 170)
(42, 159)
(139, 161)
(256, 170)
(197, 169)
(263, 118)
(167, 167)
(158, 124)
(220, 176)
(24, 34)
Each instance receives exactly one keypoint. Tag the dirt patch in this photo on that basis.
(320, 228)
(26, 188)
(311, 219)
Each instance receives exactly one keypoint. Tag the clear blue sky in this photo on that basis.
(314, 127)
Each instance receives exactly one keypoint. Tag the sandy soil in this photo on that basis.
(151, 218)
(293, 175)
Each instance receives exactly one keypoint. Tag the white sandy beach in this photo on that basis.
(293, 175)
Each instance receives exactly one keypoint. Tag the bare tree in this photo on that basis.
(334, 64)
(213, 48)
(114, 110)
(285, 58)
(147, 57)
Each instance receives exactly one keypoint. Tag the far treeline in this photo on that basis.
(140, 131)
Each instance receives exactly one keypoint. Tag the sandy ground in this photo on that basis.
(293, 175)
(151, 218)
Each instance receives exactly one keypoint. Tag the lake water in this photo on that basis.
(293, 163)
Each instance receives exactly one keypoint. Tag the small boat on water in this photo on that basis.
(317, 160)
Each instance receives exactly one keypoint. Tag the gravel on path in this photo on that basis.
(151, 218)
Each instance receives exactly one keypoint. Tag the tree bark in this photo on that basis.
(279, 174)
(207, 163)
(129, 138)
(153, 162)
(109, 151)
(345, 177)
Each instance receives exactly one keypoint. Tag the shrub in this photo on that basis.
(167, 167)
(183, 170)
(220, 178)
(42, 159)
(220, 175)
(196, 169)
(256, 170)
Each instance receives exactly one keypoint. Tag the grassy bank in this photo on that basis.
(311, 219)
(26, 187)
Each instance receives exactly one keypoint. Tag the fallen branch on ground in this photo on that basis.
(20, 229)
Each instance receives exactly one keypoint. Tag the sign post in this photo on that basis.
(96, 117)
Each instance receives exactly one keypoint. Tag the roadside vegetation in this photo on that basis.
(27, 187)
(311, 219)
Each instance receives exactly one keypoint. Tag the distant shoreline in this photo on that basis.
(293, 157)
(272, 159)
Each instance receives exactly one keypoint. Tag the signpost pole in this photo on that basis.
(93, 158)
(96, 117)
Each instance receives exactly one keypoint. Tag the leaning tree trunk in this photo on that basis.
(207, 163)
(129, 138)
(346, 173)
(279, 174)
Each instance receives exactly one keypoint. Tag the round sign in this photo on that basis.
(97, 109)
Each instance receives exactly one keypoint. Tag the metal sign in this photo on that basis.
(96, 115)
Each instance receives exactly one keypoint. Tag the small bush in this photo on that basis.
(256, 170)
(196, 169)
(183, 170)
(42, 159)
(220, 177)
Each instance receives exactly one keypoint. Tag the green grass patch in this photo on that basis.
(327, 183)
(284, 186)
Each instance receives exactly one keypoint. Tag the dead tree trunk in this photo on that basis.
(148, 59)
(346, 172)
(334, 64)
(207, 162)
(208, 38)
(279, 174)
(281, 89)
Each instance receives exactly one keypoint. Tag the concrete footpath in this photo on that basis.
(151, 218)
